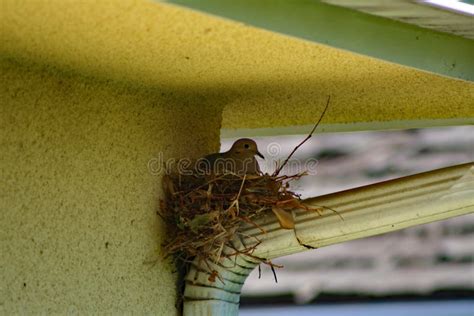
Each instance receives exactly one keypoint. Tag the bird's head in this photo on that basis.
(245, 147)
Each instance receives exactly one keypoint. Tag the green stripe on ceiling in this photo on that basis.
(347, 29)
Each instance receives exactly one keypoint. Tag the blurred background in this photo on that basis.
(428, 268)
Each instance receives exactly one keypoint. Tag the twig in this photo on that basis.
(274, 273)
(277, 171)
(236, 201)
(206, 183)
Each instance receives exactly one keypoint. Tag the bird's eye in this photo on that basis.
(246, 146)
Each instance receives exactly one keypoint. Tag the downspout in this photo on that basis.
(367, 211)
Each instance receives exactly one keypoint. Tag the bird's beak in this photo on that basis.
(260, 155)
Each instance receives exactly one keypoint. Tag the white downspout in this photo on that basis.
(367, 211)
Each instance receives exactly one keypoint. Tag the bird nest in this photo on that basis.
(204, 214)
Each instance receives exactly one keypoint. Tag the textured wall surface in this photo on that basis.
(360, 32)
(78, 202)
(265, 79)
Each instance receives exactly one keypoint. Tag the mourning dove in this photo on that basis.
(240, 159)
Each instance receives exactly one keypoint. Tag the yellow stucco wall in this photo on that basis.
(265, 79)
(78, 203)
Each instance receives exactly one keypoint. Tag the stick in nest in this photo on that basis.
(277, 171)
(201, 221)
(203, 214)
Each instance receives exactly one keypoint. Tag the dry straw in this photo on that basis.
(203, 213)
